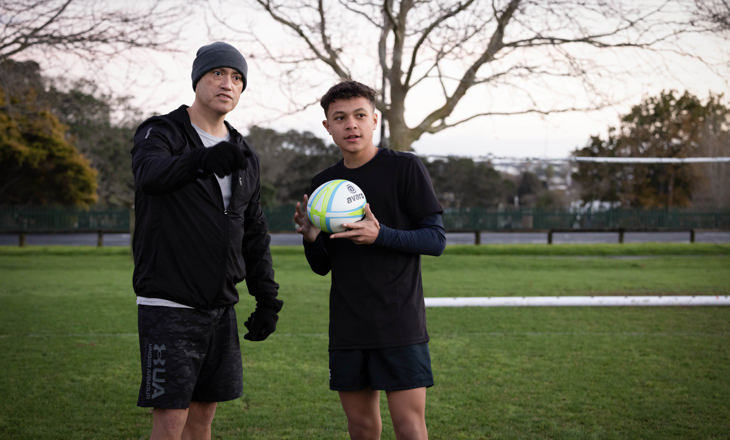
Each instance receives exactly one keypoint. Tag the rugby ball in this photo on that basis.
(334, 203)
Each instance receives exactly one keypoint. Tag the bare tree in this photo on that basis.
(470, 57)
(715, 12)
(92, 30)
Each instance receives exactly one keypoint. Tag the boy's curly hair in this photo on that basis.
(347, 90)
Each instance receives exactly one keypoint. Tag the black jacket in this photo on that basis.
(187, 247)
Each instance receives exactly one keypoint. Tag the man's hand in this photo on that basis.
(304, 226)
(262, 321)
(222, 158)
(364, 231)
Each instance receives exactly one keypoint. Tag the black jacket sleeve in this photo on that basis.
(160, 162)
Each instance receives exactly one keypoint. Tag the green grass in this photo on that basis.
(70, 366)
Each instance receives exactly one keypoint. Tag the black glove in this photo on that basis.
(221, 159)
(262, 321)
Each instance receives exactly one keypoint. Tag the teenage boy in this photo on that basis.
(377, 334)
(199, 230)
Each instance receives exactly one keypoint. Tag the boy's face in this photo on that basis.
(351, 123)
(220, 89)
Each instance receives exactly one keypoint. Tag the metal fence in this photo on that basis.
(64, 220)
(111, 220)
(541, 220)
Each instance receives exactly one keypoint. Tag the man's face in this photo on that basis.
(351, 123)
(220, 89)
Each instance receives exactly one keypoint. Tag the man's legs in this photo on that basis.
(408, 412)
(362, 409)
(186, 424)
(200, 419)
(168, 424)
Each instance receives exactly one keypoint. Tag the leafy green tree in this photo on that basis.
(541, 185)
(715, 194)
(289, 161)
(666, 126)
(530, 186)
(604, 182)
(463, 183)
(101, 127)
(98, 125)
(663, 126)
(38, 165)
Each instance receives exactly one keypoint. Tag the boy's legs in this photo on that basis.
(392, 369)
(362, 409)
(408, 412)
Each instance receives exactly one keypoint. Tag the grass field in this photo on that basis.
(70, 368)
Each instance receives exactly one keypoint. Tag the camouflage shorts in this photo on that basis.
(188, 355)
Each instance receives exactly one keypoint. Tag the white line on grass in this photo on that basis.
(579, 301)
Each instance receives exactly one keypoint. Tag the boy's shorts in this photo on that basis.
(388, 369)
(188, 355)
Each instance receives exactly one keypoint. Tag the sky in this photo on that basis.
(160, 82)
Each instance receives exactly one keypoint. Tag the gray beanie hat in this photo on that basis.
(218, 54)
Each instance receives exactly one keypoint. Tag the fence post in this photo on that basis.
(21, 239)
(100, 239)
(692, 235)
(477, 238)
(621, 235)
(550, 236)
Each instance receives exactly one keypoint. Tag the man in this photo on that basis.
(378, 337)
(199, 231)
